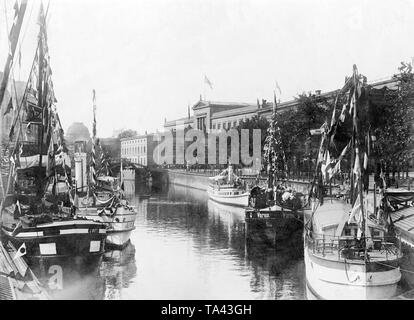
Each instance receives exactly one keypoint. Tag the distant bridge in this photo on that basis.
(116, 165)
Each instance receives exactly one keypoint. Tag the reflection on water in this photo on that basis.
(118, 270)
(186, 247)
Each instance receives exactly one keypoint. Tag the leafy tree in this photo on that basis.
(392, 117)
(129, 133)
(298, 144)
(255, 122)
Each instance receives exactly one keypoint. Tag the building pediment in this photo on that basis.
(201, 104)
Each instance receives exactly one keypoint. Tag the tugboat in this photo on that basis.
(349, 254)
(227, 188)
(104, 201)
(274, 212)
(44, 226)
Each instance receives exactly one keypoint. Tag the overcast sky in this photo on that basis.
(147, 59)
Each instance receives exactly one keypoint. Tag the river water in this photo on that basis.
(187, 247)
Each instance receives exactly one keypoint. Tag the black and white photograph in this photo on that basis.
(218, 151)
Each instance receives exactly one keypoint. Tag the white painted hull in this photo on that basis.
(239, 200)
(119, 226)
(119, 239)
(349, 281)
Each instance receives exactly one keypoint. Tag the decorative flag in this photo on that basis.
(337, 167)
(365, 161)
(278, 88)
(16, 9)
(208, 82)
(326, 167)
(9, 106)
(357, 166)
(11, 133)
(355, 210)
(329, 167)
(20, 252)
(352, 104)
(342, 116)
(334, 109)
(17, 210)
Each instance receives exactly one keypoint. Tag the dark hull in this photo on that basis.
(57, 250)
(271, 226)
(76, 240)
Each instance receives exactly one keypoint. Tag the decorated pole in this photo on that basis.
(13, 39)
(93, 155)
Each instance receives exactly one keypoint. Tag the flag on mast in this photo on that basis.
(278, 88)
(208, 82)
(20, 252)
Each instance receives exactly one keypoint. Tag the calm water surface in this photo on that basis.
(186, 247)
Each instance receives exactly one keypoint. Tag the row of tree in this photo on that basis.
(386, 116)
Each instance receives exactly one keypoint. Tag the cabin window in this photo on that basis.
(347, 232)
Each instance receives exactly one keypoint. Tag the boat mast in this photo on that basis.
(14, 38)
(40, 106)
(41, 90)
(357, 155)
(93, 160)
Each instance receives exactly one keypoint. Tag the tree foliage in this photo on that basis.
(129, 133)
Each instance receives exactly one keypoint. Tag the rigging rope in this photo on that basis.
(387, 265)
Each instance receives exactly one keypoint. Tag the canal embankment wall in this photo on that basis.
(200, 180)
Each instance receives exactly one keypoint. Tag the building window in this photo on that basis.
(214, 126)
(218, 126)
(201, 123)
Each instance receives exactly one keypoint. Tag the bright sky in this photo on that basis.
(146, 59)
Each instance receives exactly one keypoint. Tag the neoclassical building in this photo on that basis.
(214, 115)
(139, 149)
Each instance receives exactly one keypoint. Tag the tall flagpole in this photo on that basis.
(93, 159)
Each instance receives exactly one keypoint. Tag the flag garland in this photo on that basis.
(273, 148)
(93, 154)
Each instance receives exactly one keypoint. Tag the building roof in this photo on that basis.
(77, 131)
(234, 112)
(203, 104)
(184, 121)
(139, 136)
(239, 108)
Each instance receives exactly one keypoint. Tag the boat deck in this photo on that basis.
(374, 256)
(404, 222)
